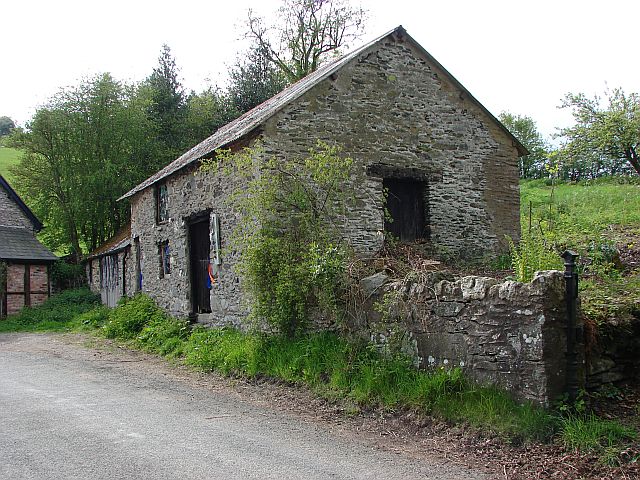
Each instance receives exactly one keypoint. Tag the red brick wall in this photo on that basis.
(15, 278)
(38, 284)
(14, 303)
(39, 280)
(38, 298)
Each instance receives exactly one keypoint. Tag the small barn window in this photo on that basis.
(164, 255)
(162, 204)
(406, 208)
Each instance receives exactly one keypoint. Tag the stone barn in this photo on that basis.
(449, 166)
(110, 271)
(24, 261)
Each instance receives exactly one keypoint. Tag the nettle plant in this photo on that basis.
(292, 257)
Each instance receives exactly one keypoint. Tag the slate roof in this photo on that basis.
(252, 119)
(20, 244)
(118, 242)
(37, 224)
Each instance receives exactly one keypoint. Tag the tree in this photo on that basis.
(524, 129)
(207, 112)
(166, 106)
(6, 125)
(608, 127)
(254, 79)
(82, 151)
(309, 30)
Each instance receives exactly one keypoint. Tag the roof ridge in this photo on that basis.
(259, 113)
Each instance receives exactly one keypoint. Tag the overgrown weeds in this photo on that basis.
(55, 314)
(332, 366)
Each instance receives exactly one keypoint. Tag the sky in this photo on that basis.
(516, 56)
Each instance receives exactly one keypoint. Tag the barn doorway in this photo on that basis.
(406, 206)
(199, 252)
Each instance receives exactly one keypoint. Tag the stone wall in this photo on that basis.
(10, 214)
(613, 357)
(501, 333)
(189, 194)
(397, 116)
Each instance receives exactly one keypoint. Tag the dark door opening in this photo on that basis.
(405, 205)
(199, 251)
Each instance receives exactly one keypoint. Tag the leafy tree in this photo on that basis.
(308, 31)
(166, 106)
(87, 147)
(254, 79)
(6, 125)
(207, 112)
(524, 129)
(606, 128)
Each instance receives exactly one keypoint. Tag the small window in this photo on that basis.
(162, 206)
(165, 259)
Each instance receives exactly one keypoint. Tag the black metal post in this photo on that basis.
(571, 280)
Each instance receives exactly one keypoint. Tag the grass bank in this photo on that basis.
(8, 158)
(600, 220)
(333, 367)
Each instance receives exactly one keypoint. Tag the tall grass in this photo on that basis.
(332, 366)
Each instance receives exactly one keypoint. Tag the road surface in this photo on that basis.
(68, 411)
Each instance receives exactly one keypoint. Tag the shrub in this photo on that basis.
(165, 336)
(54, 314)
(532, 255)
(131, 315)
(94, 318)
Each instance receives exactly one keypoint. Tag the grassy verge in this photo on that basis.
(332, 366)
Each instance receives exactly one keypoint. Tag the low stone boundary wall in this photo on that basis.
(506, 333)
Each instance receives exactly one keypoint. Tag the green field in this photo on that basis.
(600, 220)
(8, 158)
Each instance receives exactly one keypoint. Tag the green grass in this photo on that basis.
(582, 212)
(595, 218)
(8, 158)
(332, 366)
(56, 314)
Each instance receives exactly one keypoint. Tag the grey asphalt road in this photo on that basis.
(70, 412)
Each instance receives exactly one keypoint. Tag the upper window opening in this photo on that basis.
(162, 203)
(406, 208)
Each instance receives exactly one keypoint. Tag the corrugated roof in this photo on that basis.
(119, 241)
(20, 244)
(252, 119)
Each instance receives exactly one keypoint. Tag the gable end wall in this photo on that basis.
(391, 107)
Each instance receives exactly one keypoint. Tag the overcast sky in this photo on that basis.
(511, 55)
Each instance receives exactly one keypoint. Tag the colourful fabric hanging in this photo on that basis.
(211, 279)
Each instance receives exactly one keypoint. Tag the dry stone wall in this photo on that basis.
(501, 333)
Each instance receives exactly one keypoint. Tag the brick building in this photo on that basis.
(450, 167)
(24, 261)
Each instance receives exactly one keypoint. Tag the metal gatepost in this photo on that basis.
(571, 280)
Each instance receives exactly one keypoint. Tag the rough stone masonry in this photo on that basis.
(507, 333)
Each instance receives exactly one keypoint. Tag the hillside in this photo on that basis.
(600, 220)
(8, 158)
